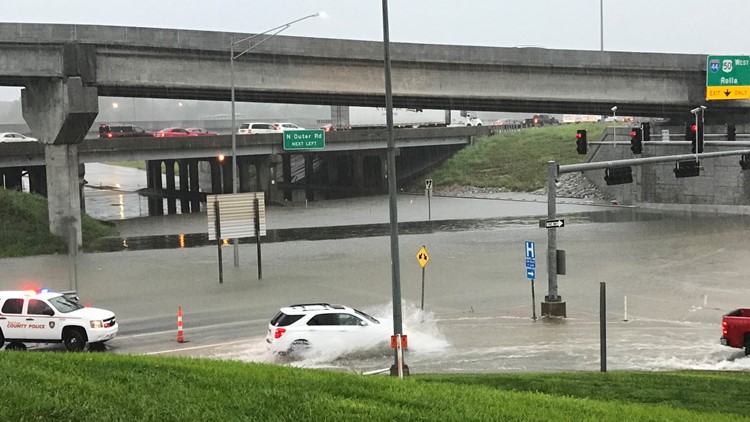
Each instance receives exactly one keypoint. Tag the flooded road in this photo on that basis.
(679, 272)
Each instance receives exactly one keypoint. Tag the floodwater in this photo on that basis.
(669, 279)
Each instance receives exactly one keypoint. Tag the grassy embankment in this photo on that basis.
(96, 387)
(516, 161)
(24, 226)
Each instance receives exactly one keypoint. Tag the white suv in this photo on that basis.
(287, 126)
(257, 127)
(50, 317)
(318, 326)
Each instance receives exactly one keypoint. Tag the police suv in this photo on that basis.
(50, 317)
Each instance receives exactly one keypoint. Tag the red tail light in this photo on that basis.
(109, 134)
(279, 332)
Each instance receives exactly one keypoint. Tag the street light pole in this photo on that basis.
(267, 35)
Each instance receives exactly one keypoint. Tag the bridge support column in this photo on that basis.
(38, 180)
(226, 176)
(171, 187)
(155, 200)
(266, 171)
(358, 172)
(286, 174)
(60, 112)
(309, 175)
(81, 184)
(245, 165)
(383, 180)
(215, 176)
(195, 202)
(182, 171)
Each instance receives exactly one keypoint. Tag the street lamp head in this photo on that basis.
(321, 14)
(696, 110)
(614, 109)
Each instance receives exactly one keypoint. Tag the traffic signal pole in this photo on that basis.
(553, 306)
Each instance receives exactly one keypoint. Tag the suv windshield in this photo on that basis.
(65, 304)
(367, 317)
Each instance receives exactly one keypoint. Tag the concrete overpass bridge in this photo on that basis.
(352, 162)
(64, 68)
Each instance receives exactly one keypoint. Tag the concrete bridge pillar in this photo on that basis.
(309, 175)
(286, 174)
(266, 171)
(171, 187)
(154, 183)
(215, 176)
(182, 171)
(60, 113)
(246, 182)
(358, 171)
(226, 176)
(193, 174)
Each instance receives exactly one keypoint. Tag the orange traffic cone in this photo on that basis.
(180, 336)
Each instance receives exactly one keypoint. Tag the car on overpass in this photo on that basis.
(257, 127)
(172, 132)
(287, 126)
(197, 131)
(107, 131)
(16, 137)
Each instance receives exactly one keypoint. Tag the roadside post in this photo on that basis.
(256, 209)
(217, 227)
(423, 258)
(428, 194)
(603, 325)
(531, 273)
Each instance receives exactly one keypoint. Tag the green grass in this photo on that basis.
(97, 387)
(24, 226)
(516, 161)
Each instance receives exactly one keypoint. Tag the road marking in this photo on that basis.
(194, 329)
(198, 347)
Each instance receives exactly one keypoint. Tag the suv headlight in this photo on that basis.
(97, 324)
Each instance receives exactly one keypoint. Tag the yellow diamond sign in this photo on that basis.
(422, 257)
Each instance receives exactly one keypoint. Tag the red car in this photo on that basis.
(197, 131)
(172, 132)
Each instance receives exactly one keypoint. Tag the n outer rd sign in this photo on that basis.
(728, 78)
(304, 139)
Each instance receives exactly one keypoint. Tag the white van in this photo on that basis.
(257, 127)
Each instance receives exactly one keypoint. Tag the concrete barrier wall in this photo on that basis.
(721, 187)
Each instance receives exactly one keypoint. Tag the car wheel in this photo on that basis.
(74, 339)
(15, 345)
(747, 345)
(2, 339)
(298, 346)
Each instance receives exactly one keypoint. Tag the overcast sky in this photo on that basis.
(675, 26)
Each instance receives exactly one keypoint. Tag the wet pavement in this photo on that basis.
(678, 273)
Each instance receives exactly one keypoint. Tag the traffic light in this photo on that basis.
(745, 162)
(697, 137)
(618, 175)
(731, 133)
(689, 168)
(636, 140)
(689, 132)
(646, 131)
(581, 142)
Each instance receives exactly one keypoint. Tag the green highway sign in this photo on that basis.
(728, 78)
(304, 139)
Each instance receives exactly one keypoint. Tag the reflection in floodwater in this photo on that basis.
(616, 215)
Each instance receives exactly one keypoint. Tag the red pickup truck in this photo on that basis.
(735, 329)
